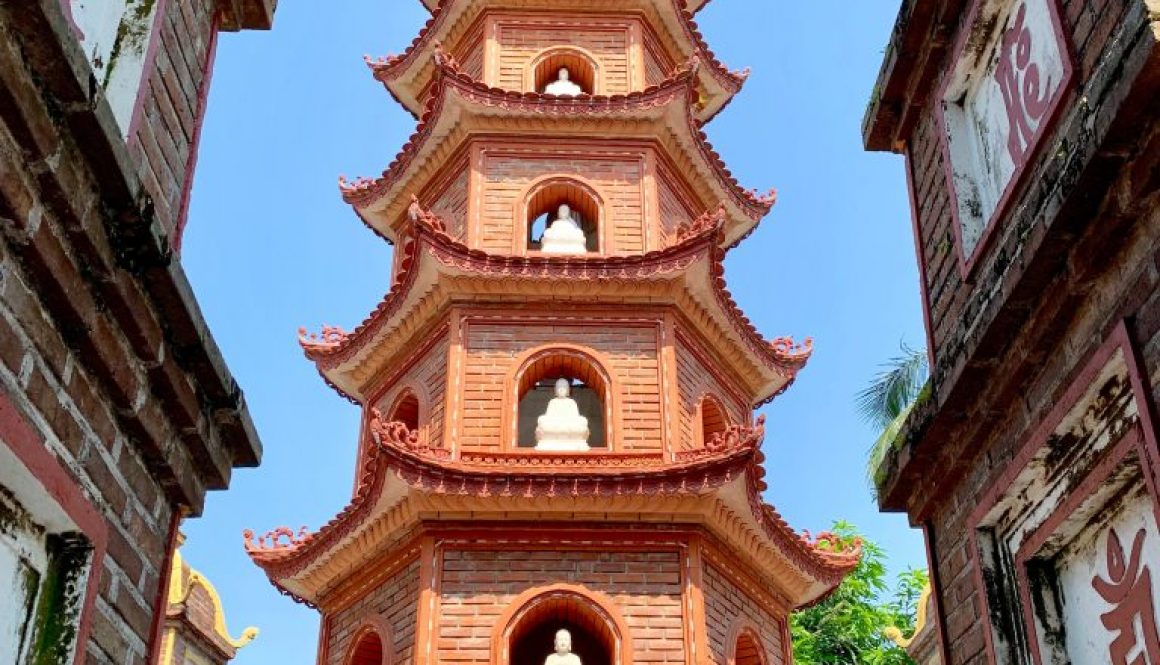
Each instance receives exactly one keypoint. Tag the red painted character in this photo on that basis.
(1129, 592)
(1024, 95)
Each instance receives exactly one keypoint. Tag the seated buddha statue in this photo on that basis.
(563, 650)
(562, 428)
(564, 235)
(563, 85)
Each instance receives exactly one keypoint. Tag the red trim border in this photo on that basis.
(967, 264)
(21, 439)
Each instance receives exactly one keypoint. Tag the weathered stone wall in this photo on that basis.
(113, 397)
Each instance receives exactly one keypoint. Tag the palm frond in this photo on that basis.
(894, 388)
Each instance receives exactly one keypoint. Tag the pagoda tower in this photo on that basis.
(557, 390)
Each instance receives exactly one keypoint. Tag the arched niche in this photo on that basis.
(745, 647)
(542, 201)
(713, 419)
(405, 409)
(532, 387)
(371, 644)
(583, 69)
(524, 635)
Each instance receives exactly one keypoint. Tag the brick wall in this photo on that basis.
(396, 601)
(676, 207)
(47, 383)
(427, 379)
(104, 357)
(519, 41)
(450, 200)
(617, 178)
(167, 124)
(477, 586)
(657, 63)
(958, 307)
(1076, 255)
(695, 380)
(491, 356)
(725, 605)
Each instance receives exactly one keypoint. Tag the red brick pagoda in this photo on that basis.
(558, 390)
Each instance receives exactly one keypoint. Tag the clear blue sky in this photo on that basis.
(270, 247)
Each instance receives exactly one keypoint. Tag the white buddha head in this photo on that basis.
(563, 390)
(564, 211)
(563, 637)
(564, 74)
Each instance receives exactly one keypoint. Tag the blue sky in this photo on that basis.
(270, 247)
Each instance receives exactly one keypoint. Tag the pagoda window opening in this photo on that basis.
(533, 638)
(406, 410)
(538, 384)
(544, 206)
(748, 651)
(571, 65)
(367, 649)
(714, 419)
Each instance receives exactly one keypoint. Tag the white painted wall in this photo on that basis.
(22, 545)
(1087, 638)
(976, 113)
(115, 35)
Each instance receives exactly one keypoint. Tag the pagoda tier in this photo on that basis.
(408, 490)
(439, 276)
(648, 143)
(615, 48)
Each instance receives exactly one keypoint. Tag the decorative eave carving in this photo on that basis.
(406, 75)
(663, 110)
(692, 6)
(429, 251)
(397, 455)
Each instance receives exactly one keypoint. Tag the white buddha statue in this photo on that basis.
(564, 235)
(562, 428)
(563, 85)
(563, 654)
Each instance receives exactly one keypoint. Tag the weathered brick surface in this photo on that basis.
(479, 585)
(1075, 256)
(725, 605)
(102, 354)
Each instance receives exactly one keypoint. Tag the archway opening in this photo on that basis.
(714, 420)
(748, 651)
(368, 649)
(406, 411)
(543, 207)
(536, 389)
(581, 71)
(533, 638)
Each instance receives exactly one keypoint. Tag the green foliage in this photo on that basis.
(895, 388)
(847, 628)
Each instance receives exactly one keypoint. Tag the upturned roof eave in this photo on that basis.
(431, 253)
(458, 99)
(404, 75)
(298, 565)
